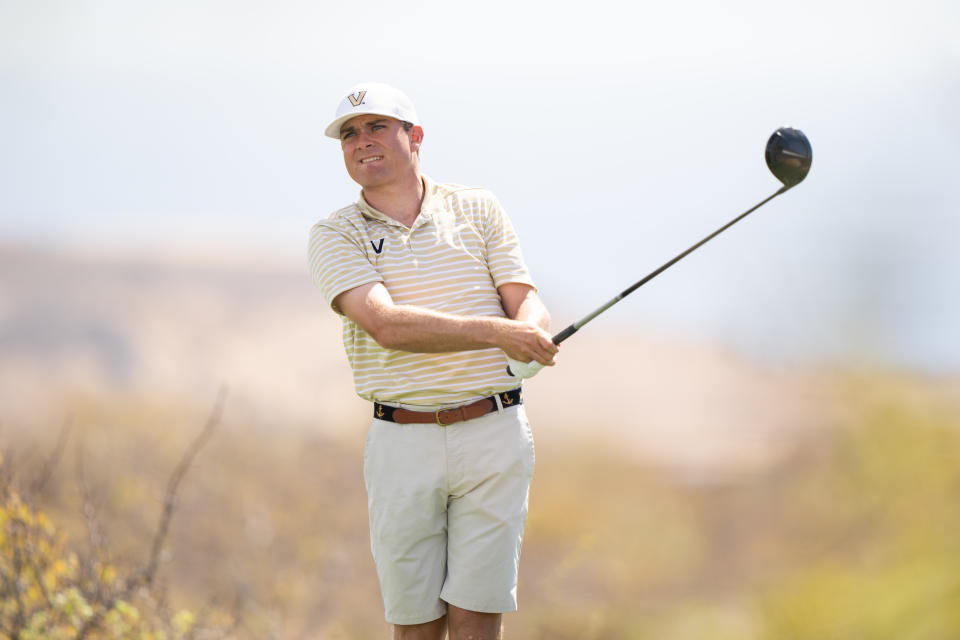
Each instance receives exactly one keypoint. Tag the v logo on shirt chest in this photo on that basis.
(377, 247)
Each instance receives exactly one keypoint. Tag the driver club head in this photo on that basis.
(789, 155)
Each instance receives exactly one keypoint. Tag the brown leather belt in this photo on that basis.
(445, 417)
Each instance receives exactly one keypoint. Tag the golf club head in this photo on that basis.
(789, 155)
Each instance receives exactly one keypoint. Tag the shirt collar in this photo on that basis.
(431, 201)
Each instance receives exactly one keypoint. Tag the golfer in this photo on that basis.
(435, 300)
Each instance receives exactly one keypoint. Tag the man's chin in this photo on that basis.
(367, 180)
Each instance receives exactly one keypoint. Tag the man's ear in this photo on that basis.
(416, 137)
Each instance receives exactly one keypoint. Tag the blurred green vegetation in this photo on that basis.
(47, 593)
(853, 535)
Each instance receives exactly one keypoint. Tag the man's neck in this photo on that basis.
(401, 201)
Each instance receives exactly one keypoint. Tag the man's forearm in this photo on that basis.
(421, 330)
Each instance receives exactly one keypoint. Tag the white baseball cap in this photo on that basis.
(372, 98)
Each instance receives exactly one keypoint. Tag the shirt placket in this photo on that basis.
(419, 226)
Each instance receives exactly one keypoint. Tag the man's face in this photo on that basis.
(377, 150)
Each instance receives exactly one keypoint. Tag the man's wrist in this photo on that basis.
(491, 330)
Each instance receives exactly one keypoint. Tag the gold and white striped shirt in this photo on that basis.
(459, 250)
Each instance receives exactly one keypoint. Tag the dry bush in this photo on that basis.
(48, 591)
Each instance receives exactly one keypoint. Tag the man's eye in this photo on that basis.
(379, 126)
(344, 136)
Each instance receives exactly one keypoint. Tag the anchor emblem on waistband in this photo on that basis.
(507, 400)
(380, 412)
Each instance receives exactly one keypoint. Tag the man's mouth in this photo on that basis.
(371, 159)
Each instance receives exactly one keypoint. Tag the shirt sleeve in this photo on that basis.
(504, 257)
(337, 262)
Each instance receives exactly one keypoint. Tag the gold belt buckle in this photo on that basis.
(437, 413)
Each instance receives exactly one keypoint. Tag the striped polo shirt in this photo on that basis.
(460, 248)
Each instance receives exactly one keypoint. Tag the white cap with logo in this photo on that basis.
(372, 98)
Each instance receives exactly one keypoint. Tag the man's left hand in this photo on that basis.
(523, 369)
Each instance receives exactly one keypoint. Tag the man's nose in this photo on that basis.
(363, 138)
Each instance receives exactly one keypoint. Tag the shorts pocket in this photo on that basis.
(530, 458)
(366, 456)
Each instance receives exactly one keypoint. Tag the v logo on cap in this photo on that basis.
(373, 98)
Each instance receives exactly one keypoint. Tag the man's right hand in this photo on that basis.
(525, 342)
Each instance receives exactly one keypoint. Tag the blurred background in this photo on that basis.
(777, 452)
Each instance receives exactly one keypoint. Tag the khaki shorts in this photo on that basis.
(447, 509)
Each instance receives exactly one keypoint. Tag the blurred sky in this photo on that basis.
(615, 135)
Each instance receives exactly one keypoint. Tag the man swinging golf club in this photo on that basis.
(435, 300)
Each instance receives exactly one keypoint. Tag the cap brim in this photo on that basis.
(333, 129)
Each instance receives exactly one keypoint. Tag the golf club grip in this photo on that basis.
(566, 333)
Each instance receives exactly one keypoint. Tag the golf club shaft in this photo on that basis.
(573, 328)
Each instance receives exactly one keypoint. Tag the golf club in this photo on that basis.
(788, 155)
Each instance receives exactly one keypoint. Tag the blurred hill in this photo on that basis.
(72, 322)
(76, 323)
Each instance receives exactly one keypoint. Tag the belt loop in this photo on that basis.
(496, 399)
